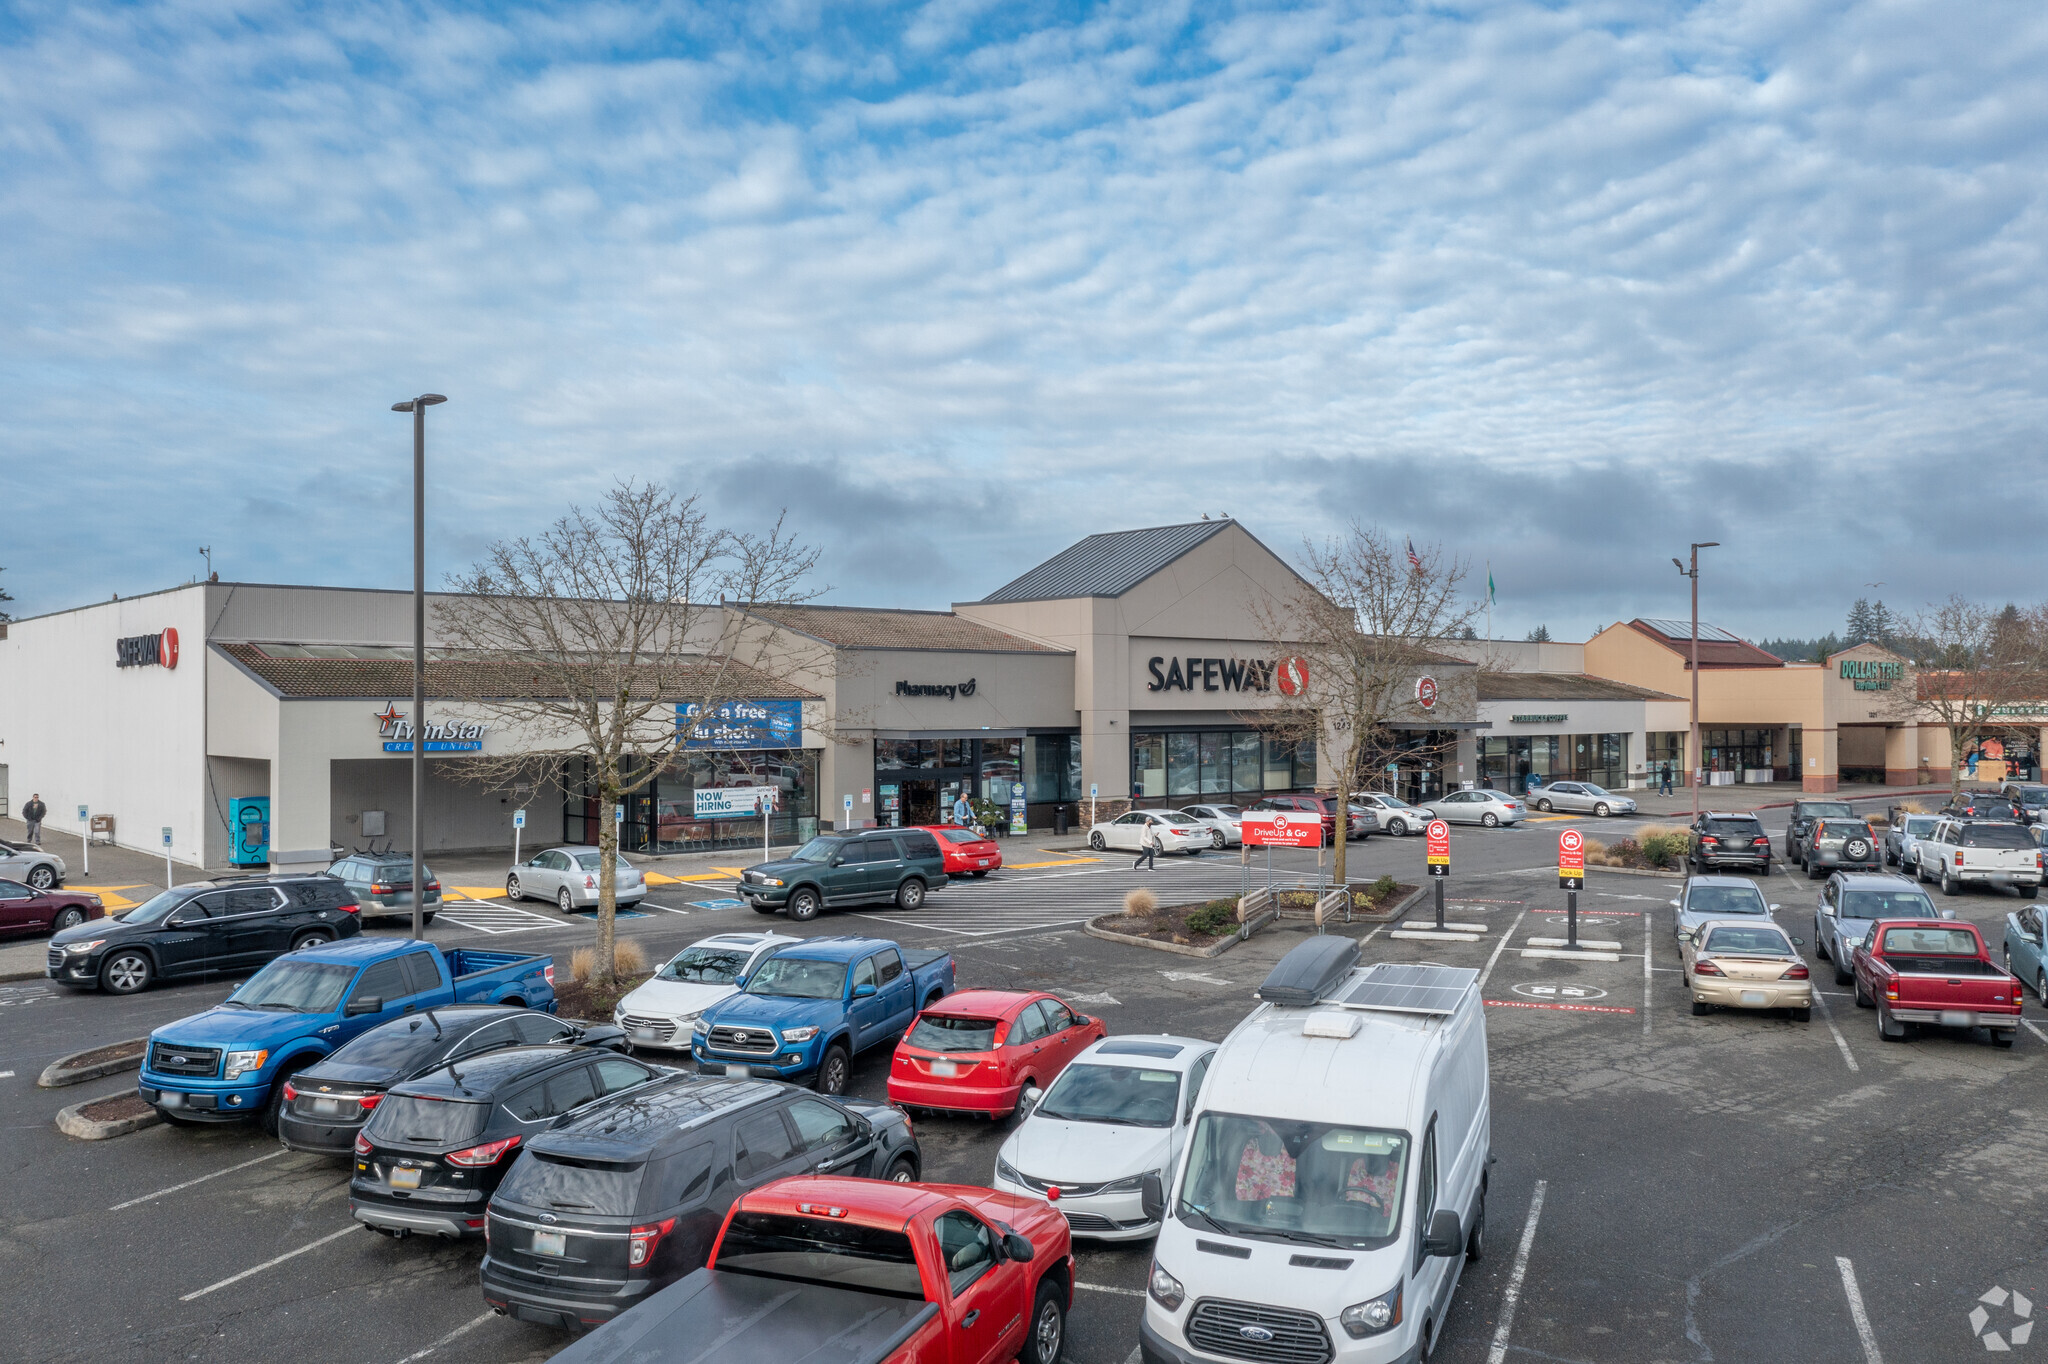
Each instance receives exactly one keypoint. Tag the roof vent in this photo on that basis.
(1330, 1023)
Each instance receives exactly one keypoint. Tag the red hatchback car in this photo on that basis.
(975, 1051)
(967, 853)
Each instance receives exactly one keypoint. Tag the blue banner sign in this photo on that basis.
(743, 724)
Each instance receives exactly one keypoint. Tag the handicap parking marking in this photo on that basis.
(488, 917)
(590, 915)
(727, 903)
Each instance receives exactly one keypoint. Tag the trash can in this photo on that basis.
(1059, 820)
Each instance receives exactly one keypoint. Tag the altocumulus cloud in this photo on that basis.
(1559, 285)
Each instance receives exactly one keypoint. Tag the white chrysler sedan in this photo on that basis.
(662, 1012)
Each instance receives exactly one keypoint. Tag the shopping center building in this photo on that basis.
(260, 722)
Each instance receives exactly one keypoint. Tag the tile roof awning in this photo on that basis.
(449, 677)
(861, 627)
(1564, 687)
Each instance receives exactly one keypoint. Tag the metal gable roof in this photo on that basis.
(1106, 565)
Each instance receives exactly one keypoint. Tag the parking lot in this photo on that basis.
(1732, 1187)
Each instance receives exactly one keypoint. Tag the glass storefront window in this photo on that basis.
(1215, 763)
(1245, 766)
(1002, 766)
(1182, 758)
(1148, 765)
(1052, 767)
(661, 816)
(1279, 767)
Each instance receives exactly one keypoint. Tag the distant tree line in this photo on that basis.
(1868, 623)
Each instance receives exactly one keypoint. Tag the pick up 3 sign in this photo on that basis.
(1282, 829)
(1437, 838)
(1571, 860)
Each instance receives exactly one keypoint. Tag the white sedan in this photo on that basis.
(1490, 808)
(30, 865)
(662, 1012)
(568, 876)
(1396, 816)
(1225, 823)
(1176, 833)
(1116, 1117)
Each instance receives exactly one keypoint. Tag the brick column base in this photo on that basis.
(1901, 776)
(1818, 785)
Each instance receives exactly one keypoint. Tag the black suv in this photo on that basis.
(1729, 840)
(437, 1146)
(627, 1196)
(326, 1104)
(207, 927)
(1804, 813)
(860, 867)
(1985, 805)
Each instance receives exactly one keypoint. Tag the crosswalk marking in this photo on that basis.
(482, 916)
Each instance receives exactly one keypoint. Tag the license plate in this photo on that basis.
(170, 1100)
(405, 1179)
(643, 1034)
(326, 1105)
(982, 863)
(945, 1069)
(550, 1243)
(1956, 1018)
(741, 1072)
(1753, 996)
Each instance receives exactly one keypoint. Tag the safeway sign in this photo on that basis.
(1282, 829)
(1571, 860)
(1436, 837)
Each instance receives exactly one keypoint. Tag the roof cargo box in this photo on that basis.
(1311, 971)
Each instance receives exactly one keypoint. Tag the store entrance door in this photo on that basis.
(921, 802)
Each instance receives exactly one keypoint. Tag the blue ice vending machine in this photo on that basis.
(249, 818)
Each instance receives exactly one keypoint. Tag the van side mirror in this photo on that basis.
(364, 1004)
(1774, 910)
(1152, 1197)
(836, 861)
(1446, 1237)
(1017, 1248)
(863, 991)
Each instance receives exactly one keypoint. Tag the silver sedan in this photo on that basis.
(1490, 808)
(1396, 816)
(30, 865)
(568, 876)
(1581, 797)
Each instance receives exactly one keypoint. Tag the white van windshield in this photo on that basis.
(1295, 1181)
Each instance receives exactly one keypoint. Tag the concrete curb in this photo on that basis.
(61, 1072)
(9, 977)
(1676, 874)
(1215, 949)
(71, 1124)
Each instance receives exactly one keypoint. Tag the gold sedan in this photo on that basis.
(1743, 964)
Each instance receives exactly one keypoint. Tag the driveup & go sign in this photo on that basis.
(1437, 840)
(1571, 860)
(1282, 829)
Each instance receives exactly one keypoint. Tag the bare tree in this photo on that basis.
(1363, 621)
(1970, 662)
(588, 638)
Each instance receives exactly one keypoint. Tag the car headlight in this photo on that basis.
(699, 1028)
(1165, 1289)
(687, 1021)
(1005, 1170)
(798, 1034)
(771, 880)
(619, 1011)
(77, 947)
(244, 1062)
(1370, 1318)
(1131, 1185)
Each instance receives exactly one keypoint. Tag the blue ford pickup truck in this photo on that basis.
(230, 1063)
(807, 1011)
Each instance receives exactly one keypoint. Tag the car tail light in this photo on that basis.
(433, 885)
(366, 1102)
(1761, 842)
(487, 1154)
(1707, 968)
(1959, 859)
(1796, 971)
(1708, 840)
(548, 972)
(291, 1091)
(362, 1145)
(377, 888)
(351, 908)
(590, 883)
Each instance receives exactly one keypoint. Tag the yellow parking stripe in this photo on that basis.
(114, 903)
(475, 892)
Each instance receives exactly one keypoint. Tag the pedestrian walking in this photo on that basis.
(963, 813)
(1149, 844)
(1664, 780)
(32, 813)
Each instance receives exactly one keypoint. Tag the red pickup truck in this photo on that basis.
(1934, 971)
(858, 1271)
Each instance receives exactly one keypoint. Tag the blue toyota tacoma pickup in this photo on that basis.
(230, 1063)
(807, 1011)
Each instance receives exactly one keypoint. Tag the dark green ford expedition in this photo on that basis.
(858, 867)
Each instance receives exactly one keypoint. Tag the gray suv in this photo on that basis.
(1850, 904)
(383, 885)
(1841, 844)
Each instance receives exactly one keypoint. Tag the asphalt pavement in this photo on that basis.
(1735, 1187)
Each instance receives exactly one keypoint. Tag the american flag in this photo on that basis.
(1414, 559)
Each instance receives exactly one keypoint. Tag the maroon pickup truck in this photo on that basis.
(1934, 971)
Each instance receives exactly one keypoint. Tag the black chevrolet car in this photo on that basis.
(326, 1104)
(437, 1145)
(235, 924)
(626, 1197)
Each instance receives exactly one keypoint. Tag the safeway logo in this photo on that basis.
(1292, 676)
(142, 651)
(1425, 692)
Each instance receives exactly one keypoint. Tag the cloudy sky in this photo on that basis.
(1561, 286)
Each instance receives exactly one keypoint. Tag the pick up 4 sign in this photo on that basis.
(1571, 860)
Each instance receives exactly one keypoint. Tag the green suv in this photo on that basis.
(859, 867)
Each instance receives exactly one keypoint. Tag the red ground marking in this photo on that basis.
(1568, 1008)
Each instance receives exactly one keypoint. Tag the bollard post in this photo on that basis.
(1440, 904)
(1571, 920)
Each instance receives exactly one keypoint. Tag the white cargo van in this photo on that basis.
(1334, 1178)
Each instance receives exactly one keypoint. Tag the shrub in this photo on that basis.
(1140, 902)
(1598, 854)
(1383, 888)
(1621, 854)
(579, 965)
(1663, 845)
(1215, 918)
(627, 957)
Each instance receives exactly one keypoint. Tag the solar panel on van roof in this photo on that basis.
(1400, 988)
(1135, 1047)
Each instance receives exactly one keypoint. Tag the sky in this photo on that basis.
(1560, 287)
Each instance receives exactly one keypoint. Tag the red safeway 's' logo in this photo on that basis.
(167, 648)
(1293, 676)
(1425, 692)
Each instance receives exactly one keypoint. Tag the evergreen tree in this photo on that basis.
(1468, 633)
(4, 597)
(1861, 626)
(1540, 635)
(1883, 626)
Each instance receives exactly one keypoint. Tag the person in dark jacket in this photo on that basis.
(32, 814)
(1664, 780)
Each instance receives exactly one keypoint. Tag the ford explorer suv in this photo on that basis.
(1980, 852)
(860, 867)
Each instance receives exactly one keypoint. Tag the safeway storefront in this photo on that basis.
(1130, 667)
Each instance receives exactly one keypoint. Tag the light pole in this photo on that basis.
(1693, 751)
(418, 407)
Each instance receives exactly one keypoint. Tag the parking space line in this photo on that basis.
(1827, 1016)
(1105, 1288)
(350, 1229)
(190, 1182)
(1499, 1353)
(459, 1331)
(1649, 932)
(1498, 948)
(2034, 1030)
(1871, 1354)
